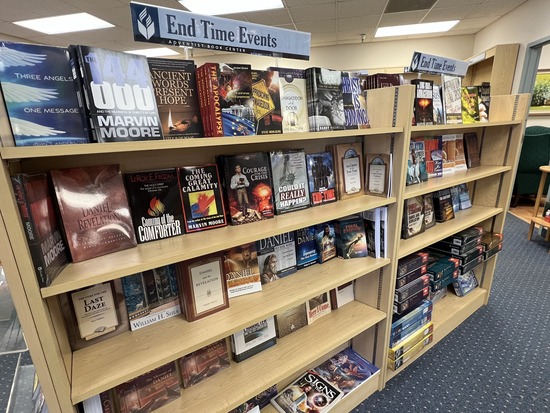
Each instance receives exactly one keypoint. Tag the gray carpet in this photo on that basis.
(498, 360)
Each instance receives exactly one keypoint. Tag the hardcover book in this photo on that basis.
(267, 102)
(40, 95)
(449, 153)
(348, 164)
(325, 236)
(151, 296)
(416, 166)
(48, 249)
(378, 177)
(470, 104)
(437, 105)
(351, 240)
(318, 306)
(433, 148)
(321, 176)
(292, 83)
(155, 204)
(290, 320)
(276, 256)
(119, 95)
(203, 363)
(201, 197)
(175, 90)
(460, 155)
(100, 222)
(242, 273)
(471, 149)
(253, 339)
(209, 96)
(429, 213)
(413, 217)
(342, 295)
(247, 184)
(325, 102)
(443, 205)
(306, 247)
(355, 104)
(290, 180)
(150, 391)
(423, 102)
(450, 94)
(373, 232)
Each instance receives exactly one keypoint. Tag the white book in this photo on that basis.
(383, 231)
(372, 228)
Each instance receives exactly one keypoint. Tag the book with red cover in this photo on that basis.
(203, 363)
(94, 210)
(48, 249)
(471, 149)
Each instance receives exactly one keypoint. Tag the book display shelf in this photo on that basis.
(68, 377)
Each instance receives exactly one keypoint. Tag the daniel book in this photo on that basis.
(276, 256)
(40, 95)
(204, 363)
(242, 273)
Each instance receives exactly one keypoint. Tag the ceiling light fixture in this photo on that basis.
(156, 52)
(411, 29)
(216, 7)
(65, 24)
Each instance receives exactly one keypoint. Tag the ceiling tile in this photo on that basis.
(496, 8)
(301, 3)
(445, 4)
(439, 15)
(398, 19)
(399, 6)
(360, 24)
(477, 23)
(356, 8)
(313, 14)
(269, 17)
(314, 27)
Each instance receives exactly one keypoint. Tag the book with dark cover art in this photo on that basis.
(40, 95)
(351, 240)
(291, 320)
(119, 95)
(443, 205)
(267, 102)
(203, 363)
(423, 102)
(355, 104)
(306, 247)
(42, 230)
(413, 217)
(246, 179)
(201, 197)
(290, 180)
(325, 103)
(99, 222)
(292, 83)
(242, 273)
(416, 166)
(325, 236)
(150, 391)
(276, 256)
(471, 150)
(155, 204)
(175, 89)
(321, 176)
(253, 339)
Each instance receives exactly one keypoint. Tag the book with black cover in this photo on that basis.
(94, 210)
(306, 247)
(253, 339)
(276, 256)
(325, 103)
(203, 363)
(291, 320)
(290, 180)
(321, 176)
(423, 101)
(155, 204)
(267, 102)
(201, 197)
(292, 84)
(41, 226)
(429, 213)
(484, 91)
(119, 94)
(373, 231)
(351, 240)
(355, 104)
(471, 150)
(325, 236)
(443, 205)
(175, 90)
(242, 273)
(40, 95)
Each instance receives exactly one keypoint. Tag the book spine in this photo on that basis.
(201, 86)
(213, 99)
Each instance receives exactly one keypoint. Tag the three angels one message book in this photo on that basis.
(253, 339)
(48, 249)
(119, 94)
(325, 102)
(94, 210)
(203, 363)
(242, 273)
(290, 180)
(40, 95)
(154, 200)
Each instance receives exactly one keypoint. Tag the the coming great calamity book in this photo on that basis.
(48, 249)
(94, 210)
(276, 256)
(321, 176)
(155, 204)
(40, 95)
(119, 95)
(242, 273)
(176, 95)
(290, 180)
(203, 363)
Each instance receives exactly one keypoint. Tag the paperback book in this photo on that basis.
(449, 152)
(429, 213)
(276, 256)
(321, 176)
(290, 180)
(40, 95)
(325, 102)
(433, 148)
(318, 306)
(355, 104)
(416, 166)
(423, 101)
(203, 363)
(325, 236)
(471, 149)
(451, 97)
(484, 91)
(306, 247)
(254, 339)
(470, 104)
(413, 217)
(292, 84)
(236, 100)
(437, 105)
(443, 205)
(342, 295)
(267, 102)
(242, 273)
(348, 164)
(373, 232)
(351, 240)
(291, 320)
(460, 154)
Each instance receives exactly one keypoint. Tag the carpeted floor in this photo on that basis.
(498, 360)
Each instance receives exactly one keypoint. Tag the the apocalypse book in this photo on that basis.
(290, 181)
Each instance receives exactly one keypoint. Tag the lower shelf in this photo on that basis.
(448, 314)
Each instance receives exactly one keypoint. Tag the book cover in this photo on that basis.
(201, 197)
(151, 296)
(247, 184)
(204, 363)
(290, 180)
(470, 104)
(253, 339)
(94, 210)
(380, 80)
(413, 217)
(100, 403)
(318, 306)
(351, 240)
(276, 256)
(119, 95)
(321, 176)
(342, 295)
(306, 247)
(291, 320)
(209, 100)
(451, 97)
(150, 391)
(429, 213)
(348, 164)
(443, 205)
(455, 200)
(293, 96)
(326, 241)
(155, 204)
(437, 105)
(484, 92)
(423, 101)
(242, 273)
(449, 152)
(325, 102)
(433, 147)
(383, 232)
(460, 155)
(355, 104)
(41, 226)
(175, 88)
(378, 176)
(267, 102)
(373, 232)
(40, 95)
(258, 402)
(416, 166)
(471, 150)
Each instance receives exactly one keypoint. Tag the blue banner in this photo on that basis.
(173, 27)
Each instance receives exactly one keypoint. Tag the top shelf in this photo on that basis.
(453, 127)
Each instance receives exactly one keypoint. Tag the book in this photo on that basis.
(325, 236)
(383, 231)
(201, 197)
(99, 222)
(423, 101)
(175, 89)
(413, 217)
(203, 363)
(247, 187)
(455, 198)
(155, 204)
(380, 80)
(276, 256)
(437, 105)
(450, 94)
(443, 205)
(325, 103)
(40, 95)
(373, 232)
(151, 296)
(48, 249)
(348, 165)
(460, 155)
(484, 92)
(290, 180)
(429, 213)
(293, 96)
(242, 273)
(209, 97)
(433, 148)
(448, 146)
(103, 402)
(318, 306)
(267, 102)
(253, 339)
(342, 295)
(202, 286)
(306, 247)
(351, 240)
(470, 104)
(378, 174)
(471, 150)
(321, 176)
(416, 165)
(355, 104)
(258, 402)
(119, 94)
(150, 391)
(464, 197)
(236, 100)
(290, 320)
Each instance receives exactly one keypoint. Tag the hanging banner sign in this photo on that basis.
(181, 28)
(427, 63)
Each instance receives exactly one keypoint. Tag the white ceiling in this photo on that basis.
(330, 22)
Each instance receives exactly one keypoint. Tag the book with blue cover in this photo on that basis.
(40, 95)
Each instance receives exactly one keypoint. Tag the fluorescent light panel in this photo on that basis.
(65, 24)
(410, 29)
(156, 52)
(215, 7)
